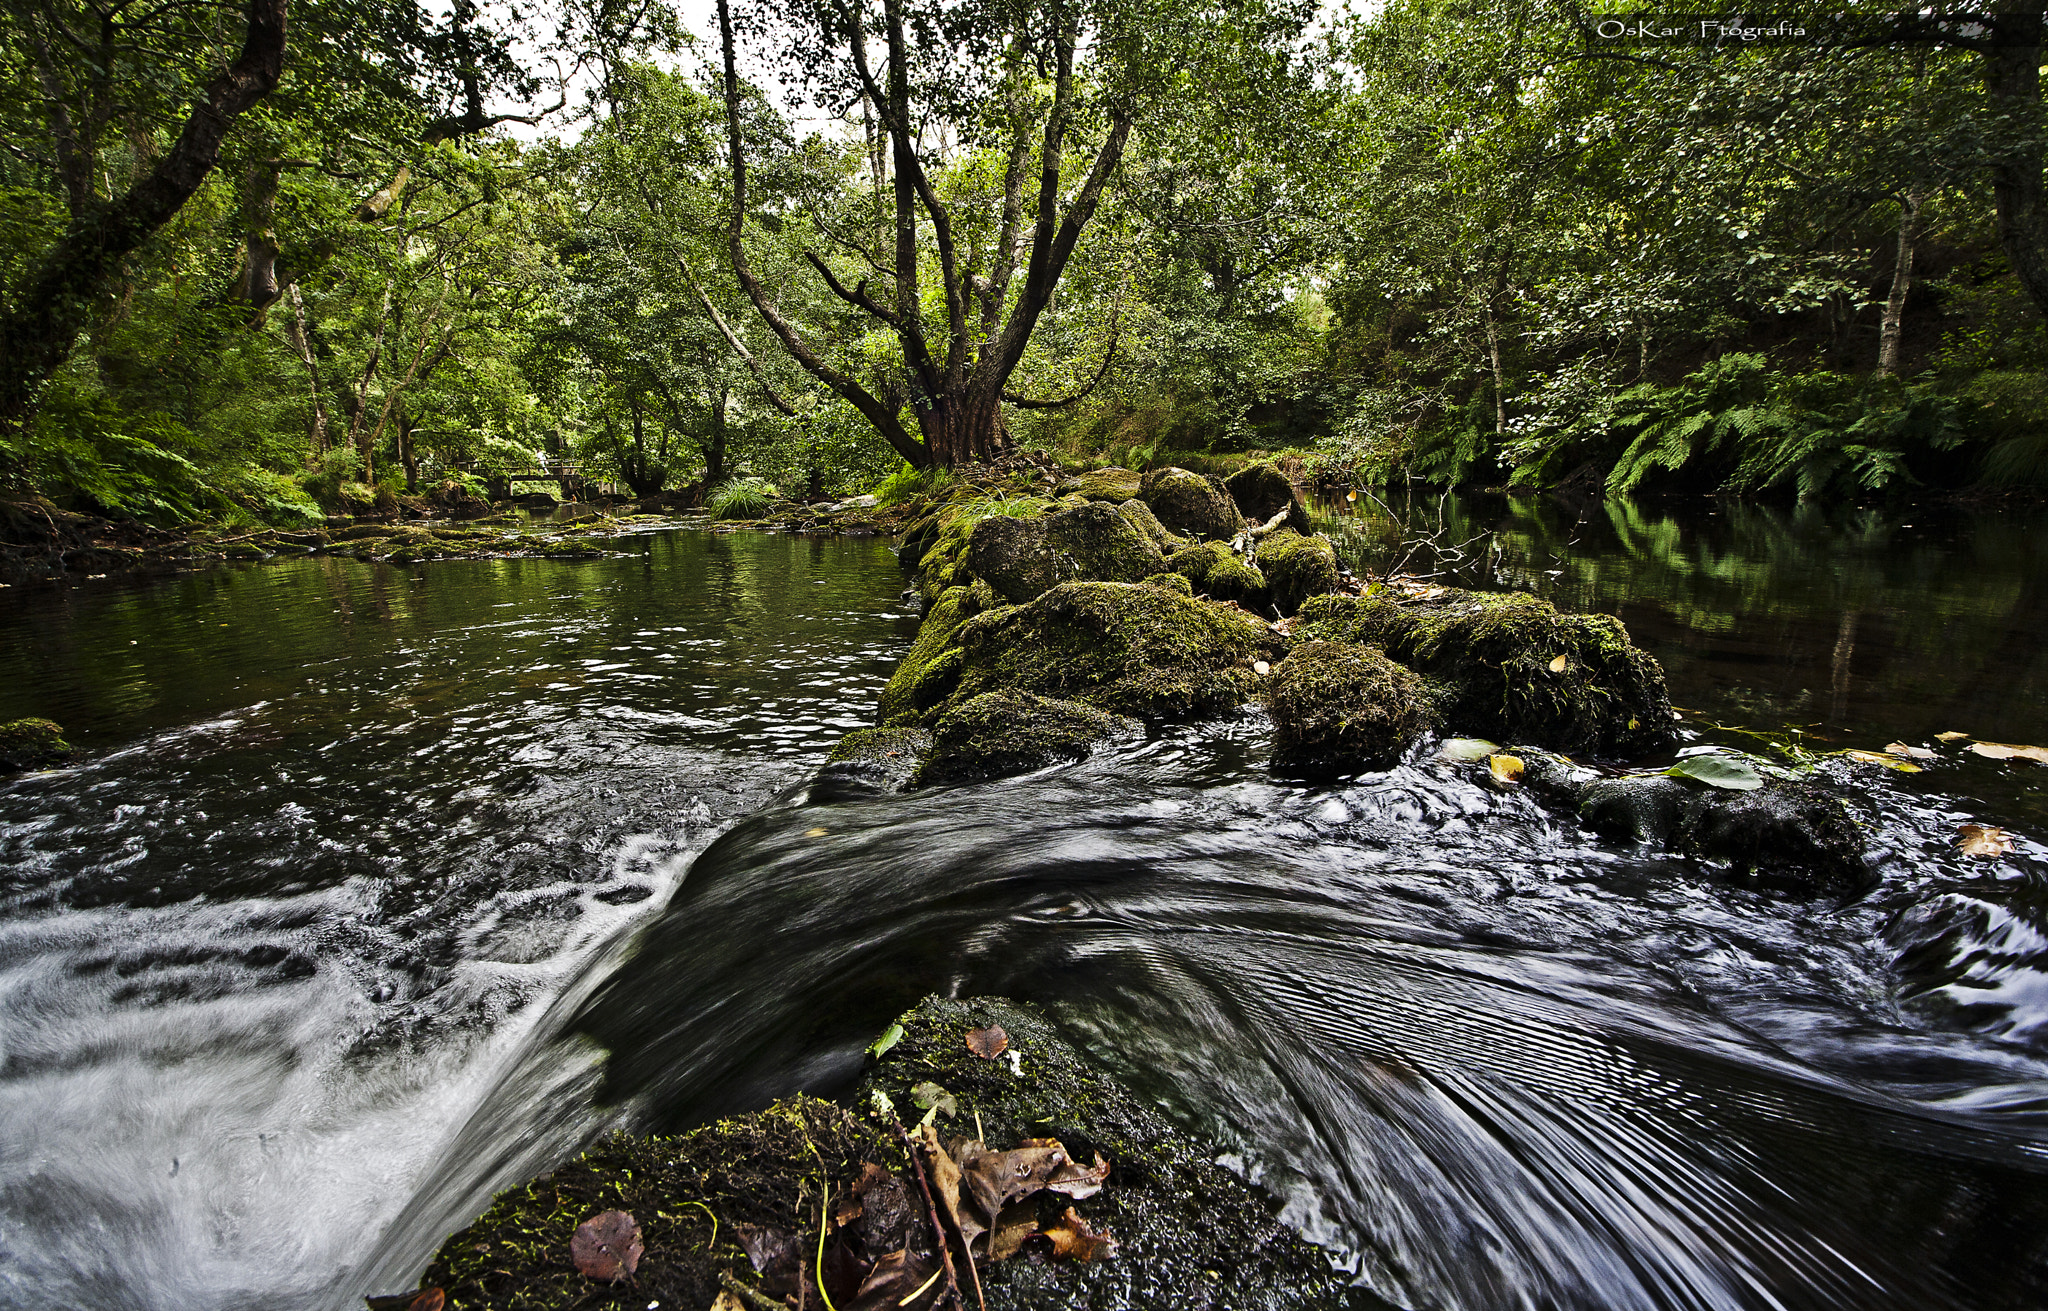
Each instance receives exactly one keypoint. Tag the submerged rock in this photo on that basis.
(1191, 505)
(1214, 569)
(1262, 491)
(1024, 558)
(1112, 484)
(1129, 649)
(31, 744)
(1508, 666)
(1338, 709)
(871, 760)
(1011, 732)
(1296, 567)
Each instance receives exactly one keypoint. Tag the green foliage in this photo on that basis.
(907, 482)
(741, 498)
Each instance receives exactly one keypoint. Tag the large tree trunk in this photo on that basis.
(58, 299)
(258, 283)
(2012, 74)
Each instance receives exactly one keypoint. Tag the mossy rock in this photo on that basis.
(1121, 647)
(1262, 491)
(1217, 570)
(1338, 709)
(1191, 1235)
(1024, 558)
(1509, 667)
(871, 760)
(1191, 505)
(1146, 522)
(1175, 583)
(1296, 567)
(931, 668)
(1011, 732)
(31, 744)
(1112, 484)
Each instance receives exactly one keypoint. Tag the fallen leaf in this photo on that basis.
(773, 1254)
(1077, 1180)
(1506, 770)
(432, 1299)
(898, 1279)
(1727, 772)
(1072, 1237)
(2002, 751)
(1914, 753)
(607, 1246)
(890, 1037)
(1881, 758)
(1984, 840)
(1951, 736)
(1560, 664)
(1351, 496)
(1017, 1222)
(1463, 749)
(727, 1302)
(988, 1043)
(1261, 668)
(945, 1182)
(929, 1097)
(814, 833)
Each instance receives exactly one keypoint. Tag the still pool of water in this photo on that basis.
(379, 887)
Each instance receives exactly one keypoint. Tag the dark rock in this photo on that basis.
(1490, 657)
(1296, 567)
(1113, 485)
(1262, 491)
(871, 760)
(931, 668)
(1652, 810)
(1216, 570)
(1024, 558)
(1191, 505)
(1338, 709)
(31, 744)
(1010, 732)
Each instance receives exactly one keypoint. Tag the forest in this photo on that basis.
(266, 263)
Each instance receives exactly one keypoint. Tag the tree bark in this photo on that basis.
(1890, 328)
(59, 295)
(258, 283)
(302, 340)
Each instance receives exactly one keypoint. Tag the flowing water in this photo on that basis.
(379, 888)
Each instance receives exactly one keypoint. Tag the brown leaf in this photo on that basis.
(1077, 1180)
(988, 1043)
(1911, 753)
(1072, 1237)
(607, 1246)
(898, 1279)
(430, 1299)
(1017, 1222)
(725, 1301)
(2003, 751)
(945, 1181)
(996, 1179)
(1984, 840)
(774, 1255)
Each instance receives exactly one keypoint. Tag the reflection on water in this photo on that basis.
(328, 936)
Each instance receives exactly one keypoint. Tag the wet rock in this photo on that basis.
(1024, 558)
(1191, 505)
(1217, 571)
(1125, 648)
(871, 760)
(31, 744)
(931, 669)
(1261, 491)
(1652, 810)
(1509, 667)
(1296, 567)
(1191, 1234)
(1011, 732)
(1113, 485)
(1338, 709)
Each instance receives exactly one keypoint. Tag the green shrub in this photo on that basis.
(740, 498)
(907, 482)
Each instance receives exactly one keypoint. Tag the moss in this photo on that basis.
(31, 744)
(871, 760)
(1261, 491)
(1338, 709)
(1192, 1235)
(1191, 505)
(930, 667)
(1023, 558)
(1490, 658)
(1010, 732)
(1217, 571)
(1296, 567)
(1146, 522)
(1113, 485)
(1124, 648)
(1176, 583)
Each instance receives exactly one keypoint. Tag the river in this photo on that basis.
(380, 887)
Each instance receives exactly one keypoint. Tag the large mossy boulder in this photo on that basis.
(1130, 649)
(1510, 667)
(1338, 709)
(1296, 567)
(1261, 491)
(1113, 485)
(1191, 1235)
(1024, 558)
(1012, 732)
(931, 668)
(871, 760)
(1191, 505)
(31, 744)
(1146, 522)
(1215, 570)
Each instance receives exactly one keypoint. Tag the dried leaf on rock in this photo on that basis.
(945, 1182)
(1913, 753)
(1560, 664)
(1464, 749)
(727, 1302)
(1881, 758)
(2004, 751)
(425, 1299)
(1951, 736)
(1079, 1181)
(1984, 840)
(774, 1255)
(898, 1279)
(1018, 1221)
(1505, 769)
(1075, 1239)
(988, 1043)
(607, 1246)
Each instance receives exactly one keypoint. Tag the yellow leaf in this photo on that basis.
(1951, 737)
(1914, 753)
(1351, 496)
(1879, 758)
(1984, 840)
(1557, 666)
(1505, 769)
(2004, 751)
(814, 833)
